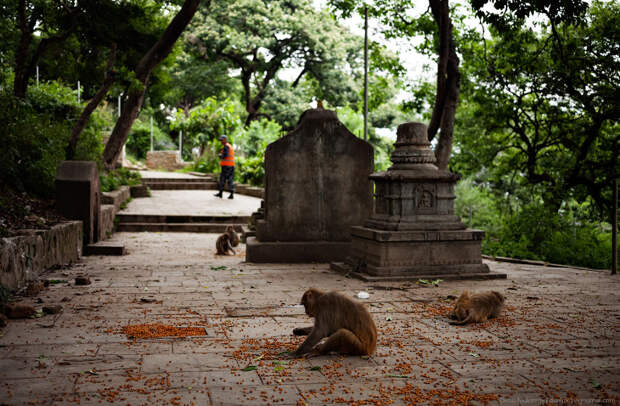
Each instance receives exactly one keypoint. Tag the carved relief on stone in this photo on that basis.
(425, 199)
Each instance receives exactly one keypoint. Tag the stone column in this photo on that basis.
(413, 232)
(78, 195)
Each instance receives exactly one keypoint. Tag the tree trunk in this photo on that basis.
(108, 80)
(21, 79)
(149, 61)
(448, 85)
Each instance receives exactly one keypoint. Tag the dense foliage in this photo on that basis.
(34, 135)
(114, 179)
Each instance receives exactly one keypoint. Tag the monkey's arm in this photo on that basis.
(312, 339)
(229, 247)
(469, 319)
(302, 331)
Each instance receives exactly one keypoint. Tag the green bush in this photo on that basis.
(115, 179)
(536, 233)
(533, 231)
(139, 140)
(251, 170)
(35, 133)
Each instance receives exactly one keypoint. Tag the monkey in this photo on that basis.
(346, 323)
(233, 236)
(476, 308)
(222, 245)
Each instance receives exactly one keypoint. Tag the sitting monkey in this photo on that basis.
(347, 324)
(234, 237)
(477, 308)
(223, 245)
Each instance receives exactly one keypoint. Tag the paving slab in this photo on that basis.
(556, 341)
(191, 203)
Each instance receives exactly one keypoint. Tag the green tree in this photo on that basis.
(206, 122)
(262, 37)
(149, 61)
(541, 108)
(193, 79)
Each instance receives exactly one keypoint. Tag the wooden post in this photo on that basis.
(614, 231)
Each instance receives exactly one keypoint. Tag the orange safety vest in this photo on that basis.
(230, 159)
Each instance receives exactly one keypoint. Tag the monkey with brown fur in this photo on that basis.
(222, 245)
(233, 236)
(477, 308)
(347, 324)
(227, 241)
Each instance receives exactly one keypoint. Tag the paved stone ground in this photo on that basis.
(555, 344)
(167, 175)
(193, 202)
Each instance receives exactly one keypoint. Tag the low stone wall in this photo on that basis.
(110, 204)
(164, 160)
(116, 197)
(23, 258)
(106, 221)
(248, 190)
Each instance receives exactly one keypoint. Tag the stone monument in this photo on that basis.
(413, 232)
(77, 195)
(316, 188)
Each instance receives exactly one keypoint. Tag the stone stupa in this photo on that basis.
(413, 232)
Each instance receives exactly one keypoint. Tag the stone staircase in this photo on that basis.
(206, 182)
(178, 223)
(188, 223)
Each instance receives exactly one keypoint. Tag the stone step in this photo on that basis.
(104, 248)
(179, 180)
(202, 185)
(176, 227)
(179, 219)
(346, 269)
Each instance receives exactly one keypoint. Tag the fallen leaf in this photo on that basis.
(250, 368)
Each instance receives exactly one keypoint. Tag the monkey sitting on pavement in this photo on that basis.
(477, 308)
(234, 237)
(226, 242)
(346, 323)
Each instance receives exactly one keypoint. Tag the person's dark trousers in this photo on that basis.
(227, 174)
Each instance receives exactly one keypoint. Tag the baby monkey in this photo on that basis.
(477, 308)
(226, 242)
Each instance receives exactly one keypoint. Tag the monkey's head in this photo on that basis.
(461, 308)
(499, 296)
(309, 300)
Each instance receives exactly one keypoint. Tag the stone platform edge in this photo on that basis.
(24, 257)
(346, 270)
(295, 251)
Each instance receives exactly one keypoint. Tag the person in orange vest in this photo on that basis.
(227, 165)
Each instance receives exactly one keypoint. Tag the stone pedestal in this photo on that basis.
(77, 195)
(413, 232)
(316, 188)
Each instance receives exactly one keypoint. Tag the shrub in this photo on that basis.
(139, 140)
(114, 179)
(35, 133)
